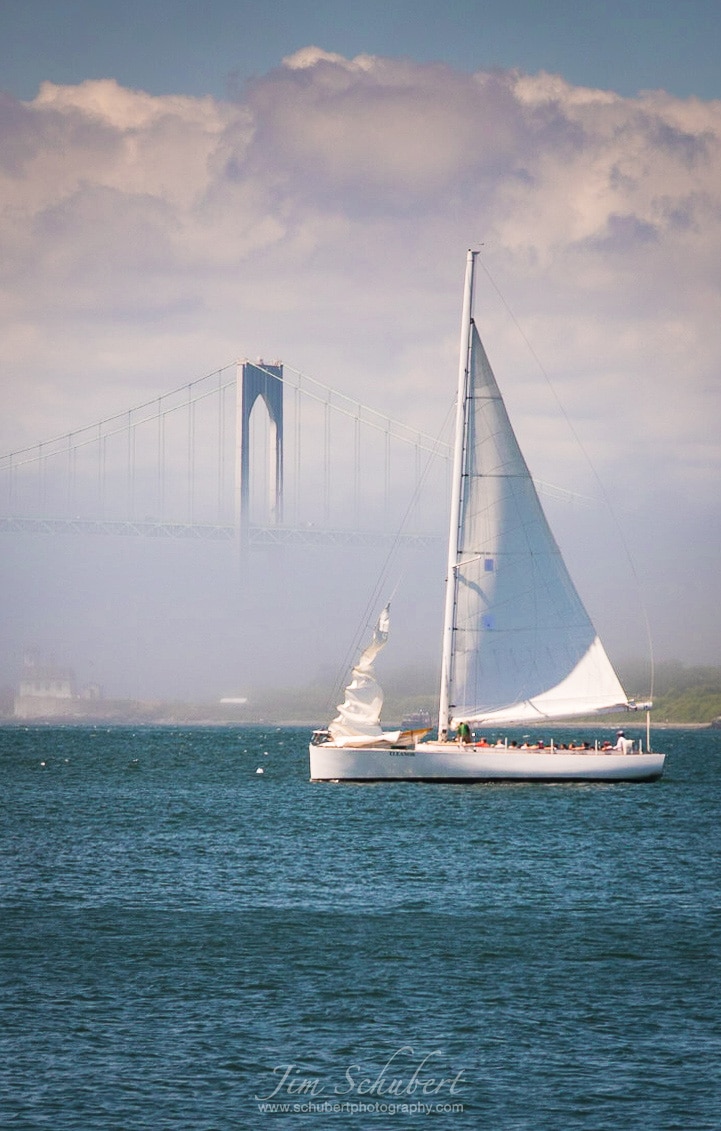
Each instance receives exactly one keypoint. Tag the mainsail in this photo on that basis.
(523, 646)
(358, 719)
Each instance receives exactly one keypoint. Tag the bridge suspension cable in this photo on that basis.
(173, 433)
(170, 466)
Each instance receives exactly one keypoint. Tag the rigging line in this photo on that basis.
(592, 467)
(368, 619)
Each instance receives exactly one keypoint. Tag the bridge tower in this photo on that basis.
(266, 382)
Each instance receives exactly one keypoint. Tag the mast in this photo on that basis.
(456, 489)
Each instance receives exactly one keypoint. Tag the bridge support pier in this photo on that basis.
(266, 382)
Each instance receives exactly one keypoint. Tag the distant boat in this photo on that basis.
(518, 645)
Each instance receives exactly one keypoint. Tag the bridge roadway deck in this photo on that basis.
(252, 536)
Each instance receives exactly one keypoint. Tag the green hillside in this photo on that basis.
(682, 695)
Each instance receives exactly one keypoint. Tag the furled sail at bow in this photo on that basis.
(524, 647)
(358, 719)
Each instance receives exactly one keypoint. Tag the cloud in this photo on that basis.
(338, 180)
(323, 216)
(371, 136)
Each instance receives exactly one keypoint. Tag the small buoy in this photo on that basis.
(42, 763)
(260, 770)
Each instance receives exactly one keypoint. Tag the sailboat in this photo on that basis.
(519, 647)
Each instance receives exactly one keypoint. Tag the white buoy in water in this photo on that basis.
(260, 770)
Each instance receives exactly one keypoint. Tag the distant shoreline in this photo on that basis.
(169, 719)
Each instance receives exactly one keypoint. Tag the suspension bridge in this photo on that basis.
(254, 453)
(234, 466)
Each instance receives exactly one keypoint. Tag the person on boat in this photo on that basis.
(623, 744)
(464, 734)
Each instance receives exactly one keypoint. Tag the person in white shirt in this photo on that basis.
(623, 744)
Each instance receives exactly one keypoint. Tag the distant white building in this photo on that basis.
(47, 692)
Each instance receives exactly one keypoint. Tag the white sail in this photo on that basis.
(359, 715)
(523, 647)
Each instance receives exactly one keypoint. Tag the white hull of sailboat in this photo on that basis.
(437, 762)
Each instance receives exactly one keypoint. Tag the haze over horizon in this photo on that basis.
(182, 188)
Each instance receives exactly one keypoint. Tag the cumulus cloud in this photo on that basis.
(324, 215)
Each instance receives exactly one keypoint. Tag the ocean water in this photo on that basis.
(186, 943)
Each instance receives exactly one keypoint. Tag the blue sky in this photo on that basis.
(206, 46)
